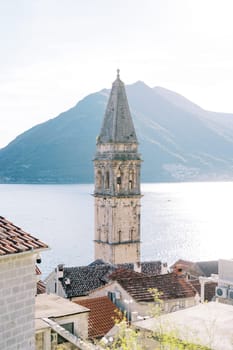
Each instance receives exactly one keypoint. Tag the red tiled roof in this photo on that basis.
(169, 285)
(38, 272)
(14, 240)
(102, 315)
(40, 287)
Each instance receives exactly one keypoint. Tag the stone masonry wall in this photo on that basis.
(17, 299)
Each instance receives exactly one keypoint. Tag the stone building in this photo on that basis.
(79, 281)
(117, 192)
(18, 253)
(131, 292)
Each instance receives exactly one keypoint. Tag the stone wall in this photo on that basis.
(17, 299)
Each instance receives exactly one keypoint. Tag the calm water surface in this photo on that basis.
(186, 220)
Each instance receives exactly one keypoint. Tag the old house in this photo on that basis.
(79, 281)
(18, 253)
(131, 292)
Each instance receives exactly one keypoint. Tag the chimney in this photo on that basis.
(178, 270)
(137, 267)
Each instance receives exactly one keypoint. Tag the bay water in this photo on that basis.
(192, 221)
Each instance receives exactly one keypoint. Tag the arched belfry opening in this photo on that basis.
(117, 189)
(119, 178)
(98, 180)
(131, 179)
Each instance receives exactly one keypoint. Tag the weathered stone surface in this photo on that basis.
(16, 301)
(117, 124)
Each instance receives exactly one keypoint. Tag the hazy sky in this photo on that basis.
(54, 52)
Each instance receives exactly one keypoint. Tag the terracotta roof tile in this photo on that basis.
(170, 285)
(40, 287)
(102, 315)
(14, 240)
(38, 272)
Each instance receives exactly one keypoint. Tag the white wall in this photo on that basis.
(225, 270)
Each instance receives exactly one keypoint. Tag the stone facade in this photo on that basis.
(17, 298)
(117, 183)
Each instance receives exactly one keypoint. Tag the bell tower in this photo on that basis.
(117, 192)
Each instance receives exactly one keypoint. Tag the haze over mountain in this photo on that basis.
(179, 141)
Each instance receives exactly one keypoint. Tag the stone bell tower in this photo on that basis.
(117, 192)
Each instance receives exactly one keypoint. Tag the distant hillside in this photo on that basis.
(179, 141)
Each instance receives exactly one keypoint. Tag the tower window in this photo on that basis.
(120, 236)
(131, 235)
(131, 180)
(118, 180)
(99, 180)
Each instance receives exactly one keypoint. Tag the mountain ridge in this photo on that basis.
(179, 141)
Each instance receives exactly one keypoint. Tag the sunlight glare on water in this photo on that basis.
(192, 221)
(189, 220)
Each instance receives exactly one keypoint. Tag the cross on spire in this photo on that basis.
(118, 73)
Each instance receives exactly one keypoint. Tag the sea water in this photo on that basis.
(192, 221)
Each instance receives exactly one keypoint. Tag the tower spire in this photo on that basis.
(117, 124)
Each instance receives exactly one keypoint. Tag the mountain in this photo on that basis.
(179, 141)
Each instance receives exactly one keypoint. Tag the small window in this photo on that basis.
(131, 180)
(118, 180)
(131, 235)
(99, 180)
(112, 296)
(70, 328)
